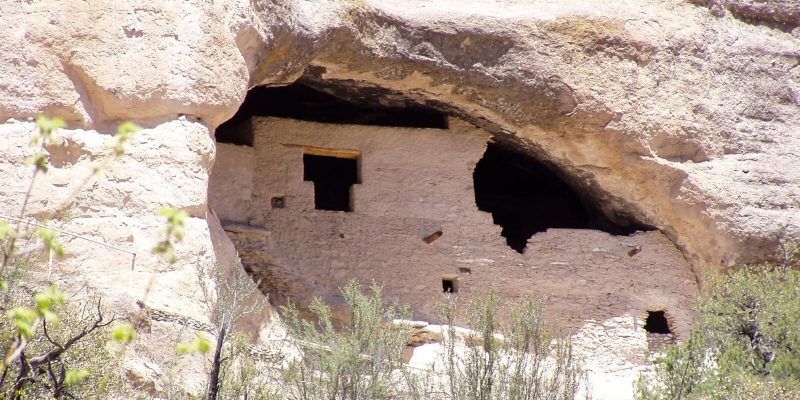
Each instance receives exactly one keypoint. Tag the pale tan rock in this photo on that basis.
(109, 60)
(782, 14)
(677, 103)
(662, 110)
(110, 225)
(118, 205)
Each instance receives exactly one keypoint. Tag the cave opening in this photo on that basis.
(302, 102)
(526, 197)
(333, 178)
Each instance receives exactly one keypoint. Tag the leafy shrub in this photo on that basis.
(502, 358)
(60, 349)
(518, 357)
(746, 342)
(54, 347)
(358, 361)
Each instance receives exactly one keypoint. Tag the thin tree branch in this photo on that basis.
(47, 335)
(100, 322)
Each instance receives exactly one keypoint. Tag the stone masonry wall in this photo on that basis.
(415, 182)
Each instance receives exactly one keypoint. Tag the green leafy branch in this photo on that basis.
(200, 344)
(173, 232)
(45, 133)
(38, 328)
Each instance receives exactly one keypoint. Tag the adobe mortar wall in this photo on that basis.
(233, 194)
(415, 182)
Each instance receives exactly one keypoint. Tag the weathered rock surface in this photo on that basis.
(109, 60)
(782, 14)
(685, 120)
(166, 165)
(684, 117)
(113, 214)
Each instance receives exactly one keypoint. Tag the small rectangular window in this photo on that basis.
(278, 202)
(449, 284)
(333, 177)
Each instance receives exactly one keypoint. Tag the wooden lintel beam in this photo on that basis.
(323, 151)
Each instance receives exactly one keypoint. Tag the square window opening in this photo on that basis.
(333, 179)
(449, 284)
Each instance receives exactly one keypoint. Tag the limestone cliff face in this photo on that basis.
(686, 119)
(665, 111)
(685, 116)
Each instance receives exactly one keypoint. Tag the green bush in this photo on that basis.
(501, 359)
(58, 348)
(518, 357)
(746, 341)
(358, 361)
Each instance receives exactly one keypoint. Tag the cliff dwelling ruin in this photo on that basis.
(315, 191)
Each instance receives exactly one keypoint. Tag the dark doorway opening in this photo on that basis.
(333, 177)
(449, 285)
(526, 197)
(656, 322)
(298, 101)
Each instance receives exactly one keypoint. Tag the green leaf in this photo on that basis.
(24, 330)
(124, 133)
(47, 301)
(173, 232)
(175, 216)
(127, 128)
(75, 376)
(183, 348)
(47, 125)
(23, 319)
(43, 302)
(50, 316)
(201, 344)
(39, 161)
(47, 128)
(124, 333)
(5, 229)
(165, 249)
(50, 239)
